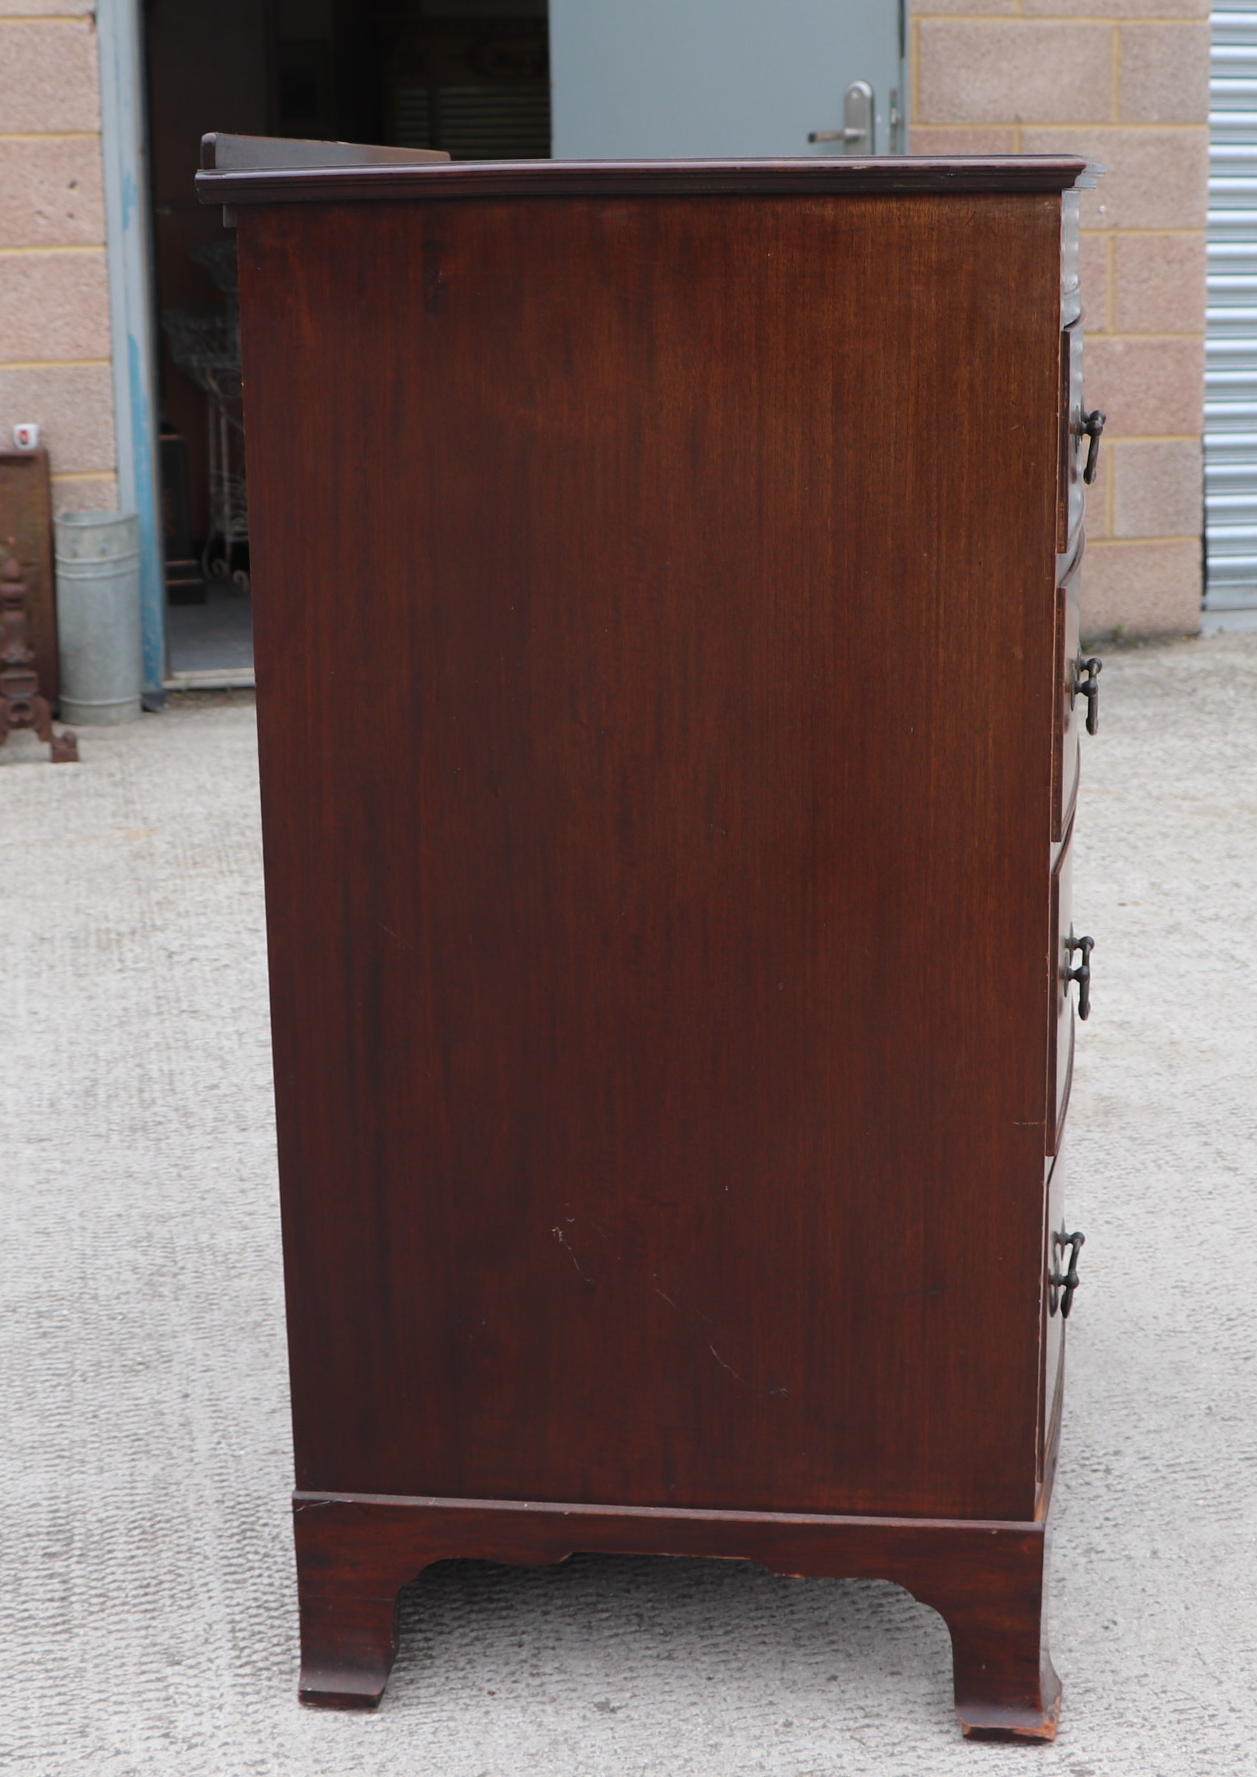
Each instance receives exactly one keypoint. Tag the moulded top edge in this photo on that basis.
(684, 178)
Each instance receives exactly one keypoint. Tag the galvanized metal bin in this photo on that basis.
(98, 617)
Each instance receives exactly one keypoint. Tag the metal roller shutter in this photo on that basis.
(1231, 344)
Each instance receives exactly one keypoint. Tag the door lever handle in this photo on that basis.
(857, 120)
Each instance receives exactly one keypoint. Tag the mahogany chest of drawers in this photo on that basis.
(669, 707)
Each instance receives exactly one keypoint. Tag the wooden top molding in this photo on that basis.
(226, 154)
(233, 179)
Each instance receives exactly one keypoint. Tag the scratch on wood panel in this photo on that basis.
(566, 1244)
(696, 1314)
(724, 1365)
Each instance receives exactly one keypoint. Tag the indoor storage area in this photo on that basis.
(470, 77)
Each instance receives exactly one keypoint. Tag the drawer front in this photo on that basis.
(1053, 1320)
(1071, 222)
(1073, 444)
(1070, 709)
(1061, 1031)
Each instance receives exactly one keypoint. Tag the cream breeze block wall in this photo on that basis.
(54, 297)
(1127, 82)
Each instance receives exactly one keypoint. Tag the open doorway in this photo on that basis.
(656, 78)
(468, 76)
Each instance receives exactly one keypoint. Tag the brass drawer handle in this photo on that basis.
(1081, 973)
(1090, 426)
(1063, 1284)
(1086, 684)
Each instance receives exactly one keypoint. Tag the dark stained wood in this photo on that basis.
(21, 703)
(986, 1580)
(641, 971)
(1073, 441)
(1062, 1031)
(663, 979)
(1053, 1325)
(888, 176)
(1071, 709)
(26, 517)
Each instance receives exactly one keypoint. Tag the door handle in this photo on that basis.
(856, 134)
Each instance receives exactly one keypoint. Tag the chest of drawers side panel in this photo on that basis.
(655, 650)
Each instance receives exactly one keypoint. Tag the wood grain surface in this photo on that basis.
(654, 628)
(886, 176)
(26, 518)
(986, 1580)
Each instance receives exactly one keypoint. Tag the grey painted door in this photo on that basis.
(671, 79)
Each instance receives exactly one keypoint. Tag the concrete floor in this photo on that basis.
(215, 636)
(146, 1593)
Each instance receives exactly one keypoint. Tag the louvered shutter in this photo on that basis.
(1231, 347)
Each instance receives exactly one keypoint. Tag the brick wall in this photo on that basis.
(1125, 81)
(54, 298)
